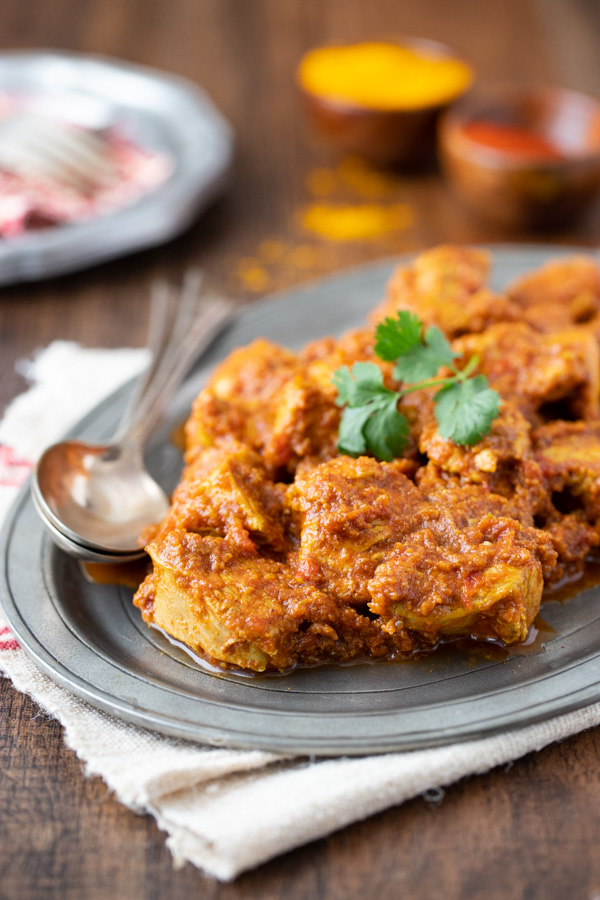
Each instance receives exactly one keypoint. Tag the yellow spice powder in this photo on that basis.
(385, 76)
(364, 179)
(345, 222)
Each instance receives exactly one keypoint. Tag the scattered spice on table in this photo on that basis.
(351, 221)
(351, 203)
(364, 222)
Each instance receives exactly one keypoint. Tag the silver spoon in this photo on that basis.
(96, 499)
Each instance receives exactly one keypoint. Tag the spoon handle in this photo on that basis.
(171, 316)
(191, 329)
(158, 330)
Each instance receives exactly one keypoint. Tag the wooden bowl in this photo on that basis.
(387, 137)
(525, 191)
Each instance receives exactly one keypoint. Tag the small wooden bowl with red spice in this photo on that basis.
(523, 158)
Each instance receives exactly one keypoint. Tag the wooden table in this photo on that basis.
(529, 830)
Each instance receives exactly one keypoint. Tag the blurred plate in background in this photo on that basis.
(159, 112)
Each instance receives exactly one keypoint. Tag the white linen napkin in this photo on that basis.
(226, 811)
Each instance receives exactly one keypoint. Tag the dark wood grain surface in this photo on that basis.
(528, 831)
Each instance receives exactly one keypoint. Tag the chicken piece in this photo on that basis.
(327, 354)
(572, 283)
(529, 502)
(446, 287)
(484, 581)
(560, 294)
(225, 491)
(348, 513)
(507, 443)
(242, 609)
(323, 357)
(306, 421)
(364, 528)
(264, 396)
(572, 538)
(471, 501)
(569, 457)
(533, 369)
(238, 399)
(503, 462)
(547, 318)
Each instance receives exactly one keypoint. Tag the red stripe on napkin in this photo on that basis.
(14, 470)
(9, 643)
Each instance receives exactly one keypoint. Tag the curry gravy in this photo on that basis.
(541, 632)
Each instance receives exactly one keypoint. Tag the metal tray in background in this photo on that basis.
(91, 639)
(159, 112)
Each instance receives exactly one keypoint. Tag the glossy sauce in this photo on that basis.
(131, 574)
(177, 436)
(570, 587)
(539, 635)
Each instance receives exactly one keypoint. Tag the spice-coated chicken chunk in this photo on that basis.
(446, 287)
(225, 491)
(241, 608)
(484, 580)
(573, 283)
(238, 399)
(569, 456)
(265, 397)
(533, 369)
(347, 514)
(368, 535)
(559, 295)
(507, 444)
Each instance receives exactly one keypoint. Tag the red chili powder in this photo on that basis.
(512, 139)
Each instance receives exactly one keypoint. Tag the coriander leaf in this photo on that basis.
(359, 386)
(386, 431)
(424, 360)
(465, 407)
(345, 385)
(439, 344)
(394, 337)
(370, 421)
(351, 439)
(465, 410)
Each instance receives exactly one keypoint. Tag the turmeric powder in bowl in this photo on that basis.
(383, 76)
(381, 99)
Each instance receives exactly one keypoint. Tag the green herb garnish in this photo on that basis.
(465, 405)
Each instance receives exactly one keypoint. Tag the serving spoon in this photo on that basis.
(96, 499)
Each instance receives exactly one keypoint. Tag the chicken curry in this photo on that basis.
(279, 549)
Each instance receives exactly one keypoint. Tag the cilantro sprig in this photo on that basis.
(465, 406)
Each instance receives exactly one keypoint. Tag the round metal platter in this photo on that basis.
(91, 639)
(158, 112)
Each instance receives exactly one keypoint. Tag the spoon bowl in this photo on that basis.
(98, 495)
(83, 553)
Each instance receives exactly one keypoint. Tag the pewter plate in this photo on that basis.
(157, 111)
(92, 640)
